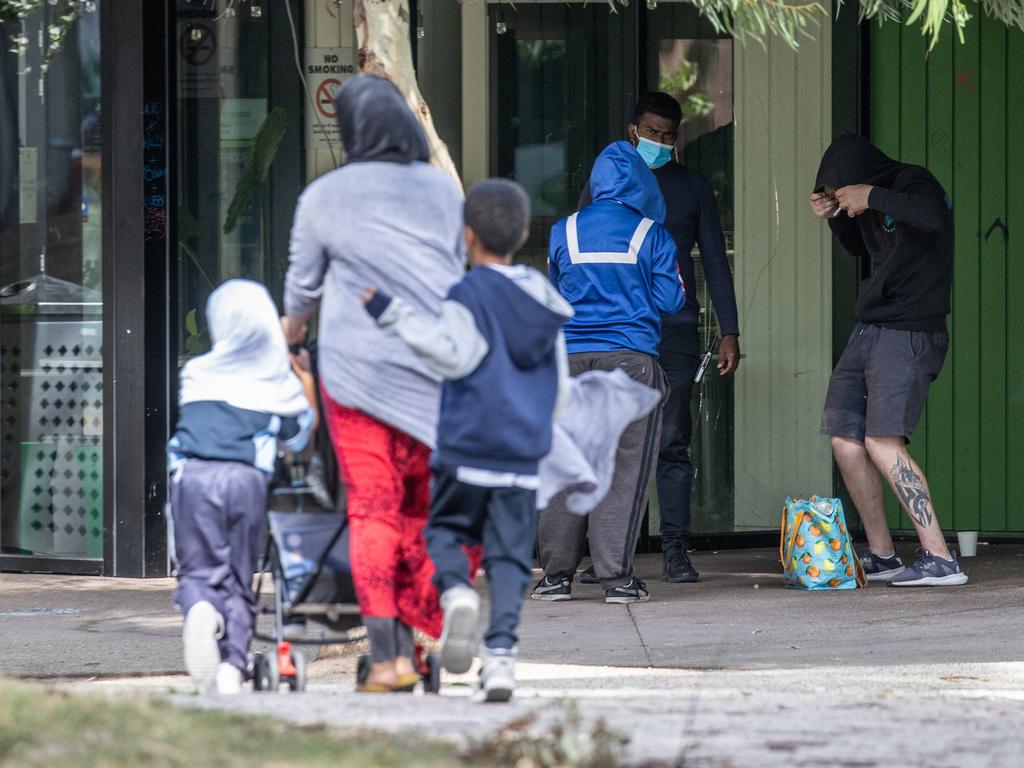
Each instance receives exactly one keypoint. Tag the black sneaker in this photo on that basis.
(589, 577)
(678, 569)
(634, 591)
(552, 590)
(881, 568)
(930, 571)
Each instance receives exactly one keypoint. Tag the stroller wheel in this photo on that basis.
(362, 669)
(297, 683)
(265, 676)
(432, 676)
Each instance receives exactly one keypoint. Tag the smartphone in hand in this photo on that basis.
(705, 362)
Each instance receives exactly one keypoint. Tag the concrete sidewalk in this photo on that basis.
(733, 671)
(738, 617)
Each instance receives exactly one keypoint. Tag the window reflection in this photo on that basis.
(51, 299)
(560, 85)
(223, 64)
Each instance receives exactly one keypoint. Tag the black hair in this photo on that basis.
(498, 212)
(660, 104)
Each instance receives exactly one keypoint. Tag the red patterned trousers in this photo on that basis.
(387, 480)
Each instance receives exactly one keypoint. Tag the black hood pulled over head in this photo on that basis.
(376, 124)
(852, 159)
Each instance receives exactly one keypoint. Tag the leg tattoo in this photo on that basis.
(913, 492)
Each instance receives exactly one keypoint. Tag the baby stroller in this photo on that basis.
(307, 556)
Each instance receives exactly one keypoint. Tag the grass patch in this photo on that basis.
(41, 728)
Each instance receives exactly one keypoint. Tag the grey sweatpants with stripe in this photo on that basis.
(614, 525)
(217, 515)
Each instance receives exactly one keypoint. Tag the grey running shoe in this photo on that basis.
(552, 590)
(497, 674)
(930, 571)
(633, 591)
(461, 606)
(589, 577)
(881, 568)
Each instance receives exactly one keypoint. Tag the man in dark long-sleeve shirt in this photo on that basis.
(691, 217)
(899, 216)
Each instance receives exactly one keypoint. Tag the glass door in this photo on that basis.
(51, 291)
(562, 82)
(255, 119)
(686, 58)
(223, 66)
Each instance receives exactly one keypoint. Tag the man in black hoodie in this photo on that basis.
(900, 217)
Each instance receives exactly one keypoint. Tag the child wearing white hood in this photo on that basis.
(236, 403)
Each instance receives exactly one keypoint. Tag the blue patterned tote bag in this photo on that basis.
(815, 546)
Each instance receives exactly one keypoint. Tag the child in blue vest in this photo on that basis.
(236, 403)
(499, 345)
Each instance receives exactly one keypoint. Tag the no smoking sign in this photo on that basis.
(325, 69)
(325, 97)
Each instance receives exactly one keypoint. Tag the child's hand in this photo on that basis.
(301, 362)
(303, 368)
(375, 302)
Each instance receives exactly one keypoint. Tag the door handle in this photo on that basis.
(998, 224)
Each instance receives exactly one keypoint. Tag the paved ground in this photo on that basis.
(734, 671)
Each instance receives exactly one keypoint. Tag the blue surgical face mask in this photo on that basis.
(653, 153)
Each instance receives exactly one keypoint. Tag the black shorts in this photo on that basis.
(880, 385)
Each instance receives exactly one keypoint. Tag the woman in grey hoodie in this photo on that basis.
(389, 219)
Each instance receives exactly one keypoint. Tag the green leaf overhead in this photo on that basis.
(759, 19)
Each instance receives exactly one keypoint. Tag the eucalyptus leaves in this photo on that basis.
(60, 16)
(757, 19)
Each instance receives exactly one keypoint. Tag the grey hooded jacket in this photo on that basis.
(385, 219)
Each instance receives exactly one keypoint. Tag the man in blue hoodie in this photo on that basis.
(691, 215)
(499, 345)
(615, 263)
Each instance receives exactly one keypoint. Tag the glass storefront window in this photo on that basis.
(51, 291)
(557, 100)
(222, 105)
(564, 81)
(255, 121)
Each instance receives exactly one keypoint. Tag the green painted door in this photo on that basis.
(960, 111)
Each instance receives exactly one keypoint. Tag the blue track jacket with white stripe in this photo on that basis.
(614, 262)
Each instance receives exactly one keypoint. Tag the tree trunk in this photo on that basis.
(382, 33)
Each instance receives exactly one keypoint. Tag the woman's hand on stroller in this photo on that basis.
(295, 330)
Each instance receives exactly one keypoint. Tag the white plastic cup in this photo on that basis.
(968, 541)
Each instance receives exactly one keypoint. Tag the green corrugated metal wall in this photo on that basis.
(960, 112)
(783, 103)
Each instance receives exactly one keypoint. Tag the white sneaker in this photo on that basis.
(461, 606)
(203, 627)
(228, 681)
(497, 674)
